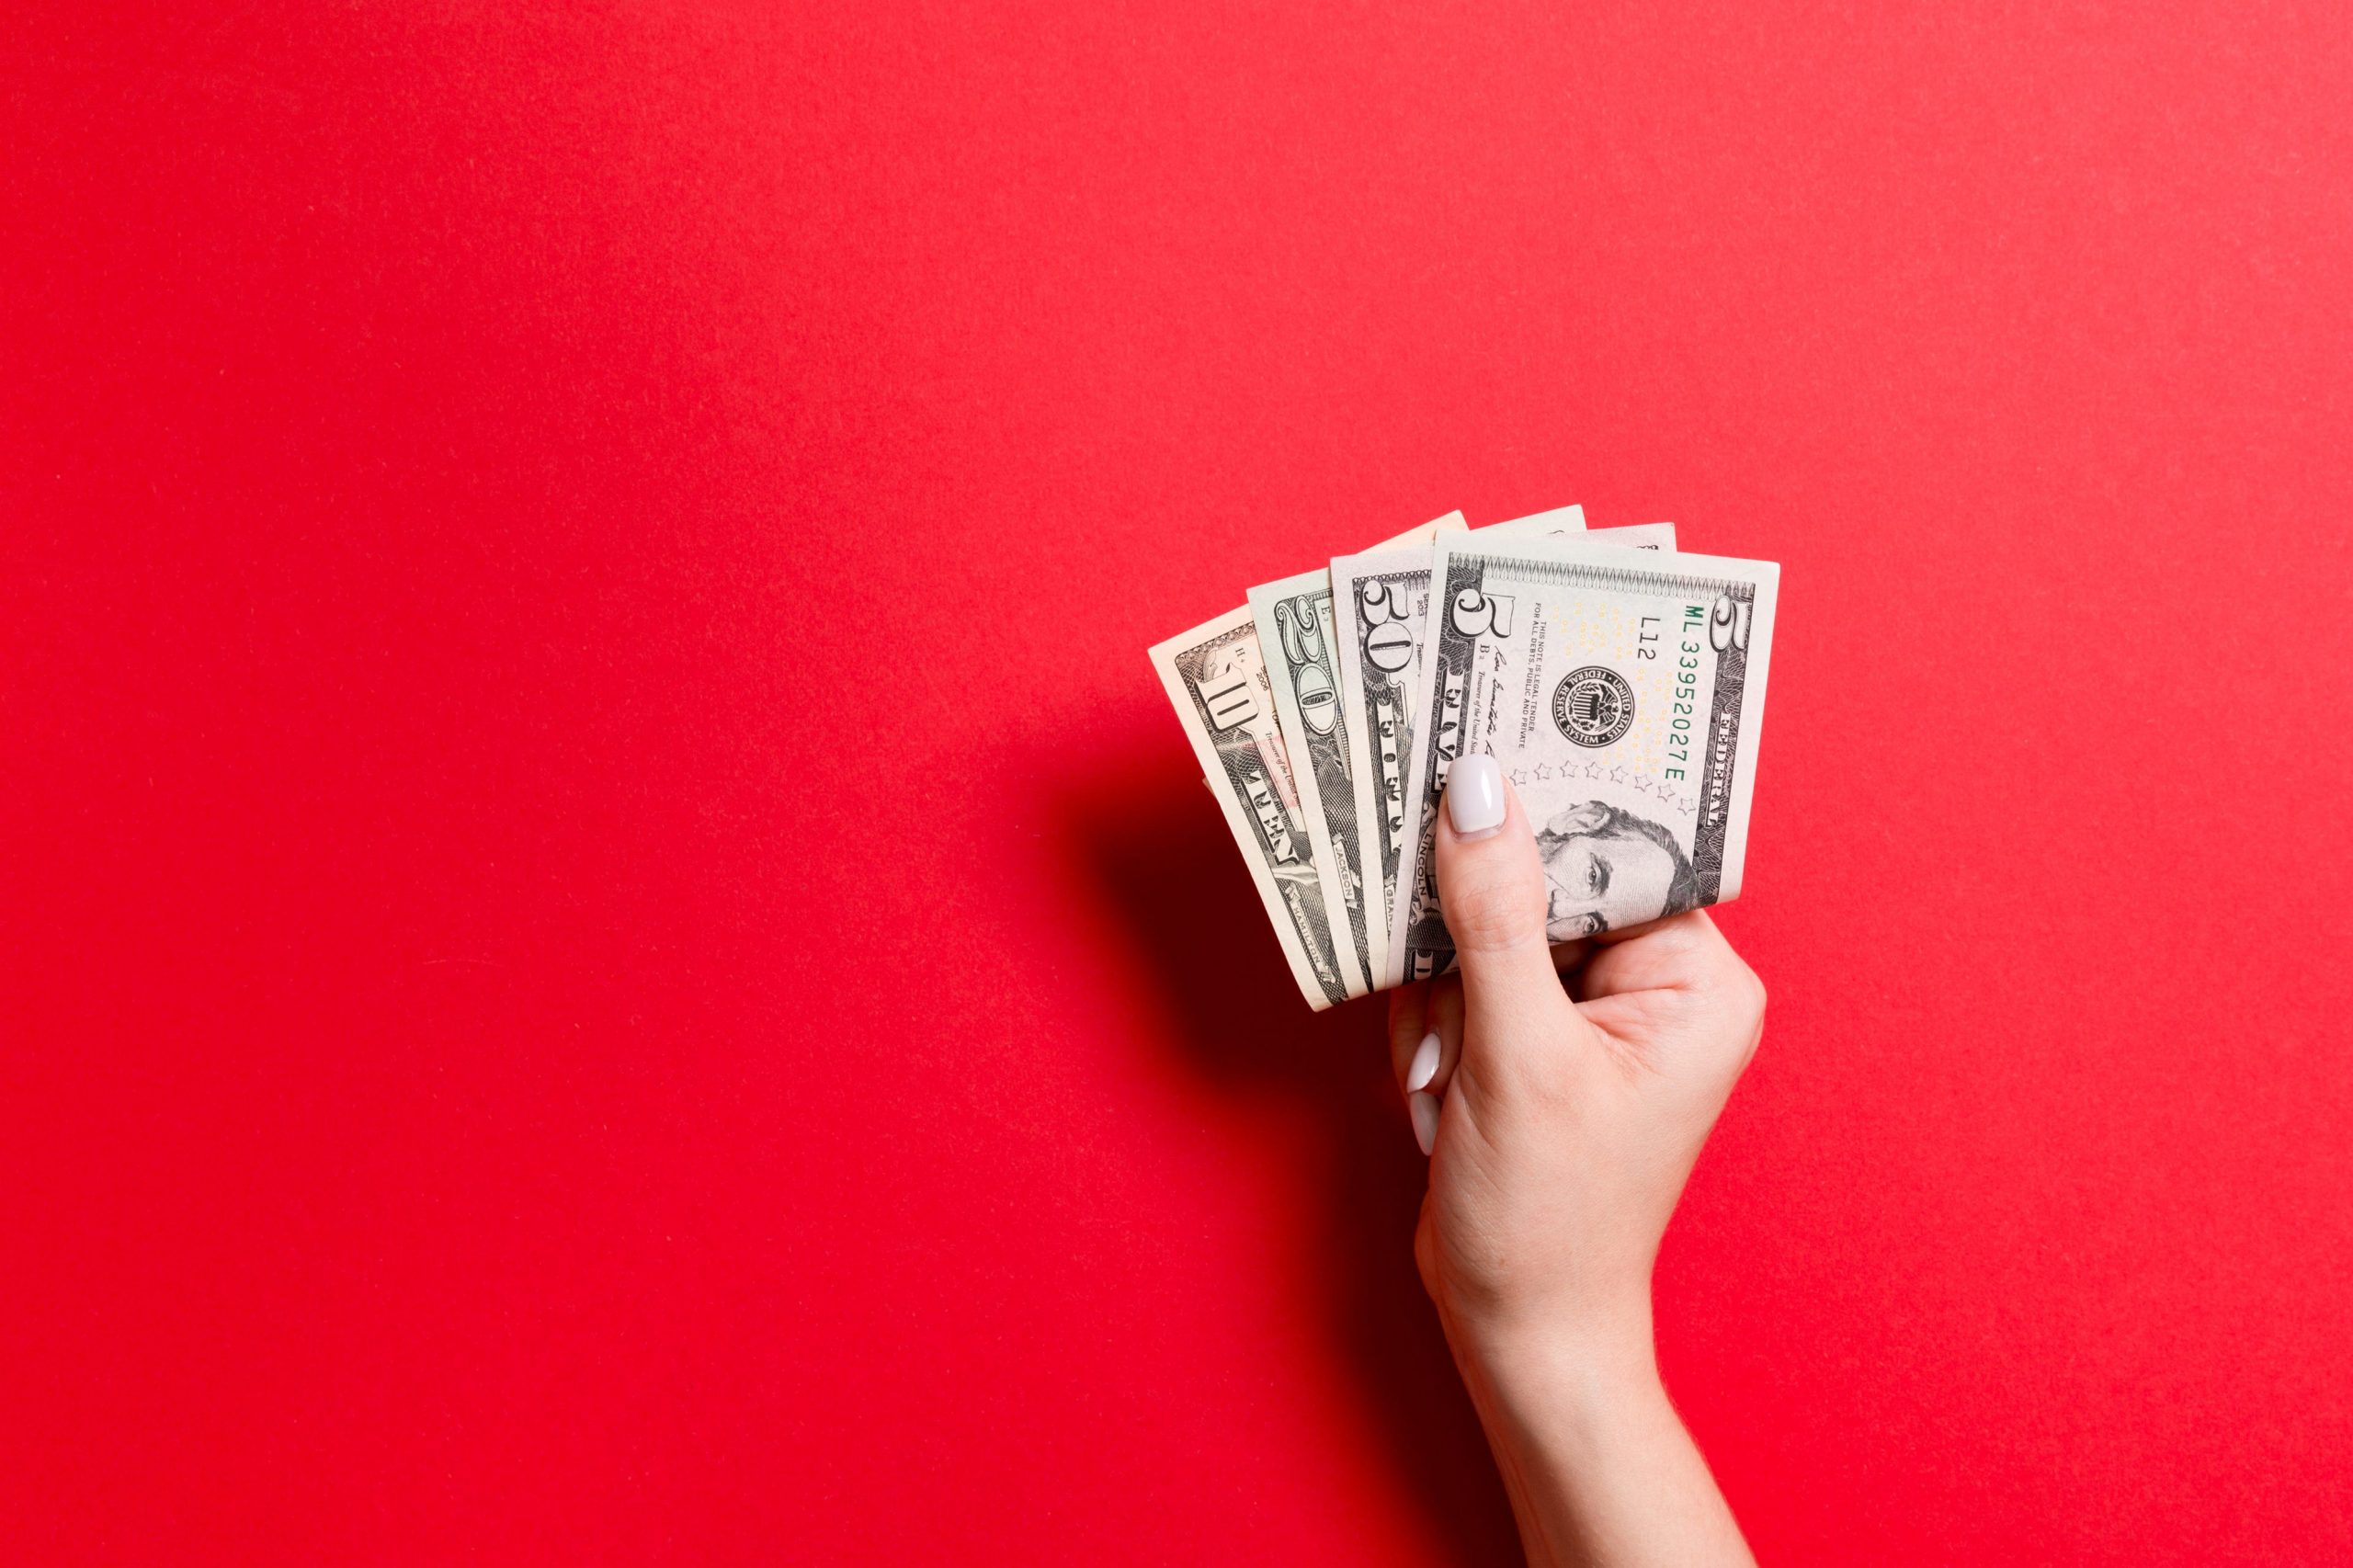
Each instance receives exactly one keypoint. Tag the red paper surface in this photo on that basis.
(610, 953)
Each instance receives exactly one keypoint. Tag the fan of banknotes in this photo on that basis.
(1618, 683)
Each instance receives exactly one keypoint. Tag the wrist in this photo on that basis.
(1586, 1327)
(1584, 1367)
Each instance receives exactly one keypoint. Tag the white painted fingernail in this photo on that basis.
(1425, 1065)
(1425, 1112)
(1474, 796)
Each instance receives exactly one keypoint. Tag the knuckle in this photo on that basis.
(1493, 906)
(1426, 1258)
(1742, 988)
(1751, 989)
(1744, 1005)
(1738, 987)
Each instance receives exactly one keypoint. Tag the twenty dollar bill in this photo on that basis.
(1294, 620)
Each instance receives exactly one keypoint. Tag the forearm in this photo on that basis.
(1600, 1468)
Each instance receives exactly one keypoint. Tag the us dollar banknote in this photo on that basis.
(1216, 677)
(1381, 603)
(1294, 620)
(1296, 630)
(1622, 696)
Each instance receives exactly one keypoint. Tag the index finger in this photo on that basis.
(1409, 1012)
(1678, 951)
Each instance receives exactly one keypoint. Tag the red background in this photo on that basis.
(610, 953)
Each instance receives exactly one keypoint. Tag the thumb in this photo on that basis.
(1490, 889)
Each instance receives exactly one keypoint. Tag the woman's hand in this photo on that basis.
(1563, 1095)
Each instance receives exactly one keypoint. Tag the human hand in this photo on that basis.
(1563, 1093)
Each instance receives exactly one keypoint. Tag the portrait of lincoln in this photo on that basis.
(1606, 869)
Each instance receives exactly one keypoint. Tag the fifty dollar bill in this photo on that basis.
(1296, 632)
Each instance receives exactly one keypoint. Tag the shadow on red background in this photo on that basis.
(1167, 876)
